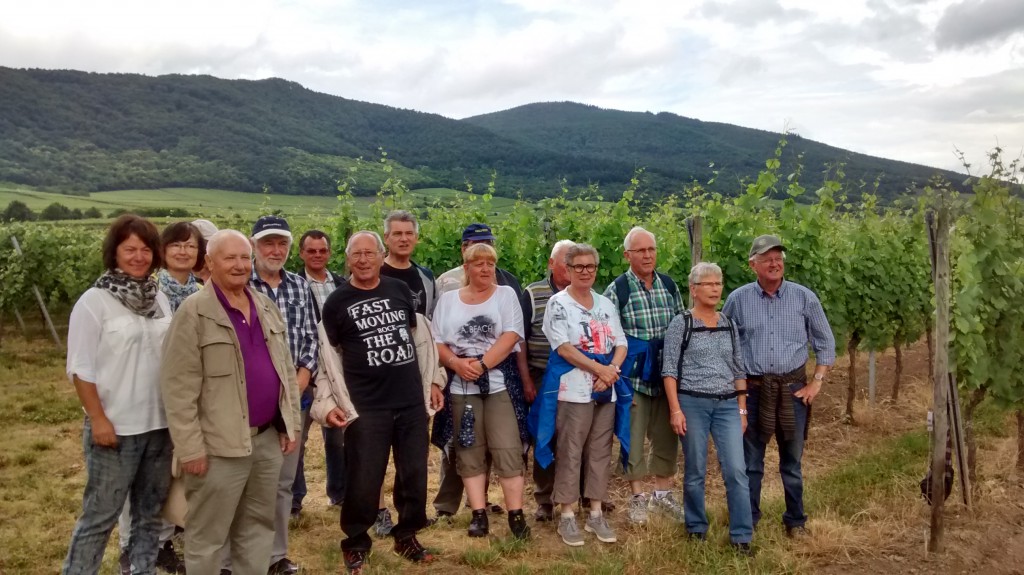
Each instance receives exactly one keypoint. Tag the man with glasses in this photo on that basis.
(777, 321)
(647, 301)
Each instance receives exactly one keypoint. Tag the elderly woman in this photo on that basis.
(477, 328)
(583, 329)
(115, 334)
(706, 389)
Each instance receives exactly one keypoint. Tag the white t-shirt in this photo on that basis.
(472, 329)
(594, 330)
(120, 352)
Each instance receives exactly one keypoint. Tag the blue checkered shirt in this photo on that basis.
(293, 298)
(775, 330)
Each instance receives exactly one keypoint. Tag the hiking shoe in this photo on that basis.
(383, 525)
(798, 532)
(410, 548)
(168, 560)
(668, 505)
(517, 524)
(599, 527)
(441, 517)
(743, 549)
(354, 560)
(545, 512)
(637, 509)
(124, 563)
(478, 525)
(570, 533)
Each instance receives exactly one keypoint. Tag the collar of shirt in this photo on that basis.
(778, 293)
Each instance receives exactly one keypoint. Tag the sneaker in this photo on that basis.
(124, 563)
(383, 525)
(545, 512)
(668, 505)
(410, 548)
(743, 549)
(354, 561)
(441, 517)
(283, 567)
(637, 511)
(168, 560)
(517, 524)
(798, 532)
(478, 525)
(599, 527)
(570, 533)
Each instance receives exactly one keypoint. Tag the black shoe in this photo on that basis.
(168, 560)
(124, 563)
(478, 526)
(495, 508)
(545, 512)
(697, 536)
(607, 507)
(517, 524)
(798, 532)
(743, 549)
(354, 561)
(441, 517)
(283, 567)
(410, 548)
(296, 511)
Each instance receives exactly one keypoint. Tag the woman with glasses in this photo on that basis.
(183, 247)
(588, 346)
(705, 384)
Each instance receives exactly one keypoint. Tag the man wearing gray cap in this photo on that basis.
(777, 319)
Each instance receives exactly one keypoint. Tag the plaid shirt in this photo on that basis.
(293, 298)
(646, 316)
(774, 330)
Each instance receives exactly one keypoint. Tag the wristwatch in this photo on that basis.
(744, 412)
(819, 377)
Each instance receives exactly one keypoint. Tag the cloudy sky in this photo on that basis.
(903, 79)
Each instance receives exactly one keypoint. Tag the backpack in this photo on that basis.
(688, 331)
(622, 289)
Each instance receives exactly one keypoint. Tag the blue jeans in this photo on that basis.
(139, 470)
(790, 453)
(721, 420)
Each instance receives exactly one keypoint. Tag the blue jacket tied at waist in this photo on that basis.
(541, 420)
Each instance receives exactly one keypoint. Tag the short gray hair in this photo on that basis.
(702, 270)
(401, 216)
(755, 256)
(577, 250)
(559, 246)
(628, 241)
(354, 236)
(219, 236)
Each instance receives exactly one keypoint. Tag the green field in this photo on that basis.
(215, 204)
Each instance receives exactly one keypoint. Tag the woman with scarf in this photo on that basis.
(588, 346)
(477, 329)
(115, 334)
(182, 247)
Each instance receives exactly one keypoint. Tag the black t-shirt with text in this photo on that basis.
(412, 278)
(372, 330)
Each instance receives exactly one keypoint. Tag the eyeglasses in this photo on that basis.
(182, 246)
(644, 251)
(709, 284)
(367, 255)
(774, 260)
(319, 252)
(580, 268)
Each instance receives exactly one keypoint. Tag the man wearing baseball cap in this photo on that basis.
(777, 320)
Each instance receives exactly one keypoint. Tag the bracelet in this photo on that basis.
(744, 412)
(483, 365)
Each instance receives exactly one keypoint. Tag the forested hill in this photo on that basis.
(78, 131)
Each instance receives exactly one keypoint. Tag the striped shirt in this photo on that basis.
(538, 293)
(646, 316)
(775, 330)
(293, 298)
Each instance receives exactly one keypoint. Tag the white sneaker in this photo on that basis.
(637, 509)
(668, 505)
(569, 531)
(599, 527)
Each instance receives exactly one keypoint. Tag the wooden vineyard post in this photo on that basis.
(694, 228)
(938, 224)
(39, 299)
(871, 377)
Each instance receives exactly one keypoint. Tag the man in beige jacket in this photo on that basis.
(232, 405)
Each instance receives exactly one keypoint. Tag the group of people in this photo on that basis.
(197, 343)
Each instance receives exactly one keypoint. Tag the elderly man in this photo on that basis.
(777, 320)
(647, 302)
(369, 321)
(537, 295)
(449, 492)
(232, 403)
(315, 253)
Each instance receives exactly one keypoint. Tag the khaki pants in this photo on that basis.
(497, 434)
(649, 420)
(234, 502)
(584, 432)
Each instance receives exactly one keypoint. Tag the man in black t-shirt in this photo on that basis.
(401, 234)
(369, 321)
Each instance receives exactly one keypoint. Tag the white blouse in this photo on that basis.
(120, 352)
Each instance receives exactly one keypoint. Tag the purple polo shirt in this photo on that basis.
(262, 385)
